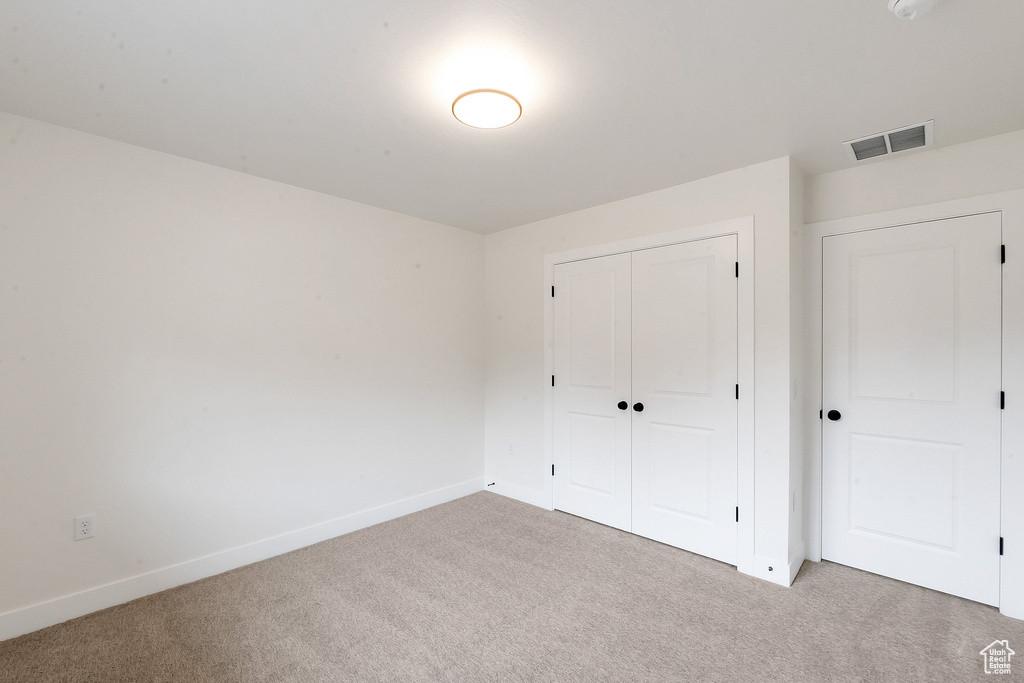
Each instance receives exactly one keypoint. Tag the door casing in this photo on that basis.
(1010, 207)
(912, 360)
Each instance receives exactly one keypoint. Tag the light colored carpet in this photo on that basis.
(489, 589)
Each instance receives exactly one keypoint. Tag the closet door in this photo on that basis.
(684, 409)
(911, 395)
(591, 419)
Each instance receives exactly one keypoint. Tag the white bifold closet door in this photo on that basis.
(644, 423)
(911, 393)
(590, 433)
(684, 374)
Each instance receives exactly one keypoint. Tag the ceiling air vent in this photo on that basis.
(891, 142)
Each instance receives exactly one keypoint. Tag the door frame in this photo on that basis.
(1010, 207)
(743, 229)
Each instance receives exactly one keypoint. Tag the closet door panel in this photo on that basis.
(684, 454)
(592, 354)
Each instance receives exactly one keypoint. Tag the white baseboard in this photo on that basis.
(781, 573)
(796, 562)
(521, 493)
(34, 617)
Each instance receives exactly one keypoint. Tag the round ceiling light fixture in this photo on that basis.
(486, 108)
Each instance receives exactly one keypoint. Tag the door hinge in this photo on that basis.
(821, 414)
(552, 469)
(1002, 400)
(737, 513)
(1000, 545)
(737, 392)
(1003, 254)
(737, 269)
(552, 290)
(552, 380)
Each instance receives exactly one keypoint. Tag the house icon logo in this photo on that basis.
(997, 657)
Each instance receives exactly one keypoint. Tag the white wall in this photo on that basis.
(205, 359)
(515, 380)
(970, 169)
(800, 412)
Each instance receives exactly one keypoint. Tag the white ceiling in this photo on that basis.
(353, 98)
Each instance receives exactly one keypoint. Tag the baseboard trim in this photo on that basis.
(781, 573)
(521, 493)
(797, 561)
(40, 615)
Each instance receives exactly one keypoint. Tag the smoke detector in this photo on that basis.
(911, 9)
(891, 142)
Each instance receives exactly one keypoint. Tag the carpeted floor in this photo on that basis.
(489, 589)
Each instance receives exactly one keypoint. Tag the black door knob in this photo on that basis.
(638, 407)
(623, 405)
(834, 415)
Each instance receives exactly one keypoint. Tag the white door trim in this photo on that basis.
(743, 228)
(1010, 205)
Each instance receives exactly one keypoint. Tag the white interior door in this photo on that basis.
(590, 432)
(911, 354)
(684, 375)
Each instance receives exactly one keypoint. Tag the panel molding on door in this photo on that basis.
(592, 356)
(685, 442)
(911, 379)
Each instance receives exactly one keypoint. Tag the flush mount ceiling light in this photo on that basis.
(486, 108)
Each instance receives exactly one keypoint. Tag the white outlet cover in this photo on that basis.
(85, 527)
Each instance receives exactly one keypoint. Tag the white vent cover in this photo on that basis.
(891, 142)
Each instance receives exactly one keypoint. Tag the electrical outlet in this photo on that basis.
(85, 527)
